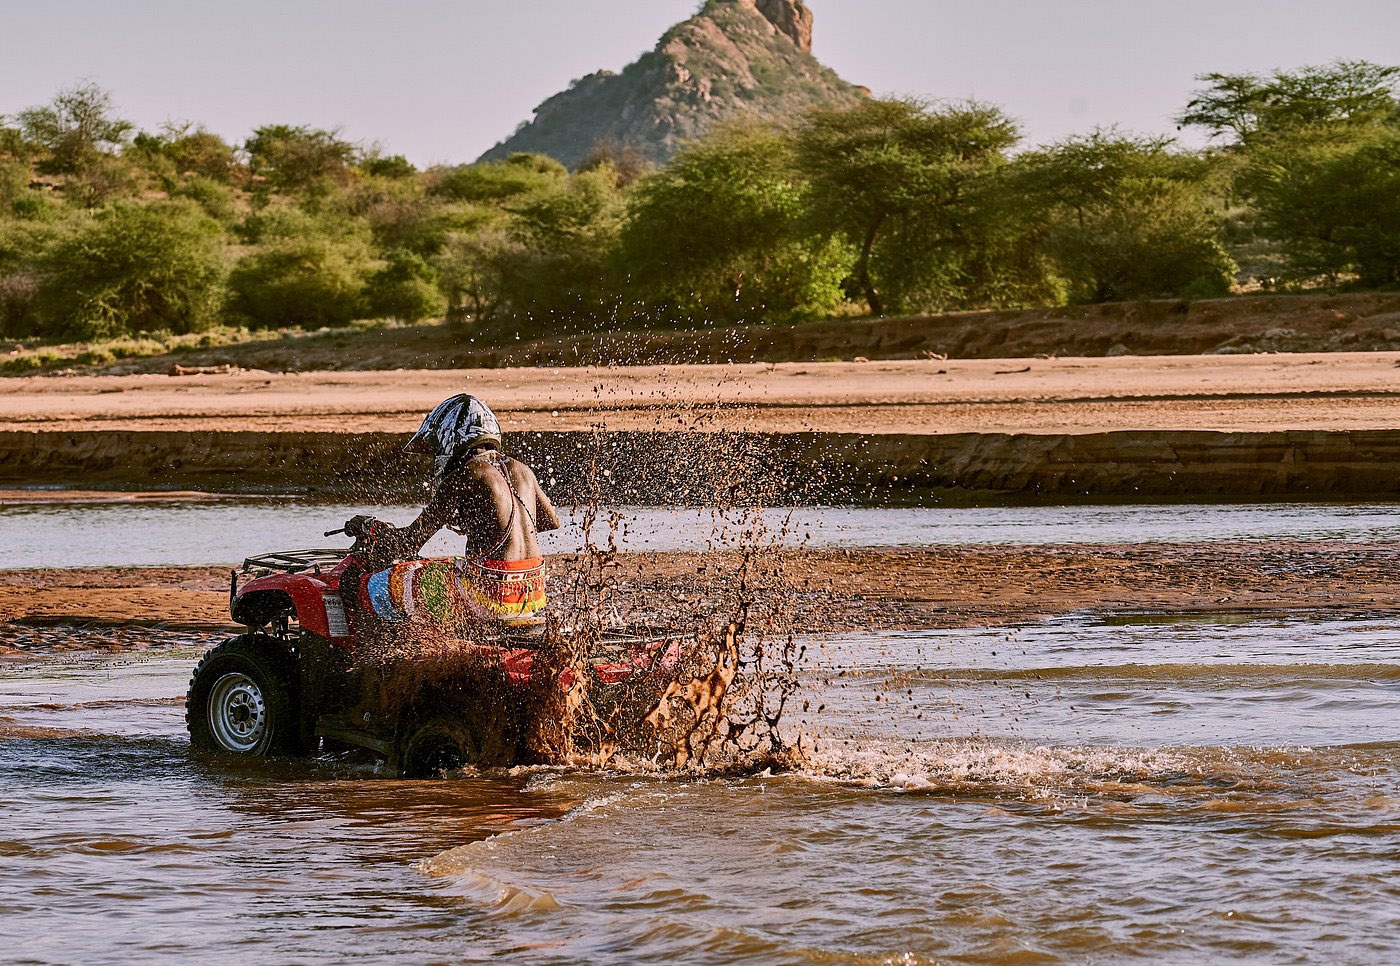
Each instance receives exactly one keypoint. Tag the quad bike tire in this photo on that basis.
(240, 699)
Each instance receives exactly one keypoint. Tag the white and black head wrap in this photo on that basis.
(455, 427)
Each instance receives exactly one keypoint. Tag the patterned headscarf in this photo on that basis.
(455, 426)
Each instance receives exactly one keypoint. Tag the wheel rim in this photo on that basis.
(238, 717)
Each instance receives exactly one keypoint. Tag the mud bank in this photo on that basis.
(644, 468)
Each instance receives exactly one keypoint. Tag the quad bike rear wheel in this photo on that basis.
(437, 745)
(240, 699)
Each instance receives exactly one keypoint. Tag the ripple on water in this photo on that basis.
(990, 828)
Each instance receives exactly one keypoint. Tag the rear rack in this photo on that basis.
(295, 561)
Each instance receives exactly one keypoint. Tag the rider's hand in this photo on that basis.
(360, 525)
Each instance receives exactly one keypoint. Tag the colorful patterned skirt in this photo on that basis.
(455, 591)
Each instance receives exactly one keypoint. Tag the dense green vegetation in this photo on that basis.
(890, 206)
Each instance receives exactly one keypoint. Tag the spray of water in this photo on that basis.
(718, 659)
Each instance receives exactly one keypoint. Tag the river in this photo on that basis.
(1093, 787)
(1146, 787)
(226, 530)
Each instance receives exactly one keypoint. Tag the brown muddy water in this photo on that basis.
(1154, 788)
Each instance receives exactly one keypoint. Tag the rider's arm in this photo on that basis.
(408, 541)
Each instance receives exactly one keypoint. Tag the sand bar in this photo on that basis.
(1321, 391)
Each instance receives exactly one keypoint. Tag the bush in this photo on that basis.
(214, 197)
(497, 181)
(393, 166)
(307, 281)
(404, 289)
(719, 232)
(1126, 218)
(133, 268)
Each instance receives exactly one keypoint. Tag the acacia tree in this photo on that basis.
(76, 127)
(295, 158)
(1316, 154)
(903, 182)
(1242, 108)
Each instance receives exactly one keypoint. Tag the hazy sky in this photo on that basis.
(442, 80)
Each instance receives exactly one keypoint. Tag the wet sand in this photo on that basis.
(834, 590)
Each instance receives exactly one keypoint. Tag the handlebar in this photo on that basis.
(331, 533)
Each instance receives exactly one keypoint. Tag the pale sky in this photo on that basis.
(440, 81)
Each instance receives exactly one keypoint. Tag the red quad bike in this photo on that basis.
(290, 685)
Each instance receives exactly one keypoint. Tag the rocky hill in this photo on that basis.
(734, 59)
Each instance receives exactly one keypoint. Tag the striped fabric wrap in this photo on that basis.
(456, 591)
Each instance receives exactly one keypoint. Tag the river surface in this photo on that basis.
(225, 531)
(1084, 789)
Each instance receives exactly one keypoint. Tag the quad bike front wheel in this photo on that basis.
(240, 699)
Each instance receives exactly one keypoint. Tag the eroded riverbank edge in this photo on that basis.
(641, 467)
(831, 591)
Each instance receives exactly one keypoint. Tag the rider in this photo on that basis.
(484, 495)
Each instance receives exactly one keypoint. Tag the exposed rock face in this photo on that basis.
(792, 17)
(734, 59)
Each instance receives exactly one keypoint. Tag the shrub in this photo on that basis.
(133, 268)
(497, 181)
(393, 166)
(307, 281)
(404, 289)
(214, 197)
(1126, 218)
(720, 232)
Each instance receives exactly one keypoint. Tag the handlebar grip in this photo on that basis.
(331, 533)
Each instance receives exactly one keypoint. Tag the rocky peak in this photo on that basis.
(733, 60)
(791, 17)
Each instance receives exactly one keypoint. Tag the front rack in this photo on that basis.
(295, 561)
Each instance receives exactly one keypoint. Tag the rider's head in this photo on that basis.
(454, 428)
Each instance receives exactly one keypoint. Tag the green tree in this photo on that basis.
(1125, 217)
(722, 231)
(564, 237)
(1334, 203)
(1241, 108)
(1314, 153)
(75, 128)
(134, 268)
(473, 267)
(291, 159)
(906, 184)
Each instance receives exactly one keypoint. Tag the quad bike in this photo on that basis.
(291, 684)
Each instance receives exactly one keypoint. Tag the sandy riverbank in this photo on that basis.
(1260, 393)
(837, 590)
